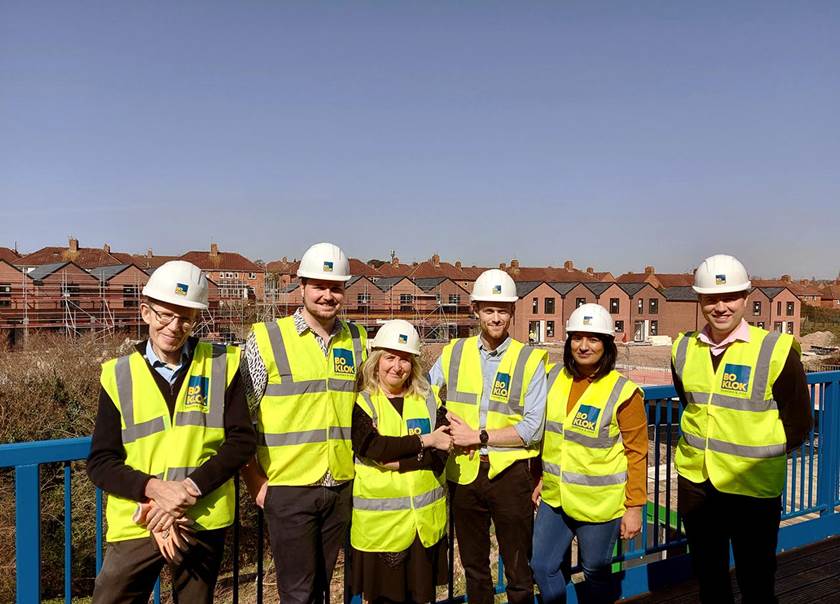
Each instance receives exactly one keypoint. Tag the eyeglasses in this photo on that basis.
(165, 318)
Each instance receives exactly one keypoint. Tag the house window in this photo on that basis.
(614, 306)
(778, 326)
(757, 308)
(579, 302)
(535, 306)
(619, 326)
(70, 290)
(252, 275)
(455, 299)
(549, 306)
(5, 295)
(640, 305)
(778, 308)
(760, 324)
(549, 329)
(790, 327)
(406, 302)
(789, 310)
(654, 328)
(363, 299)
(653, 306)
(131, 296)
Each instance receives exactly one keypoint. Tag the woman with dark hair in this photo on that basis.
(594, 460)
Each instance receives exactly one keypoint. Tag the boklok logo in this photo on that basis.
(736, 378)
(343, 361)
(418, 426)
(586, 418)
(501, 386)
(197, 389)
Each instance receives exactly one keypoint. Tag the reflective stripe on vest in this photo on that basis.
(737, 442)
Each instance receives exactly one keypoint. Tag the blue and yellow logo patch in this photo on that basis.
(501, 387)
(181, 289)
(198, 388)
(343, 361)
(328, 267)
(587, 320)
(402, 339)
(586, 418)
(497, 289)
(418, 426)
(720, 279)
(736, 378)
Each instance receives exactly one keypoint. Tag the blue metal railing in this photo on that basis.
(811, 499)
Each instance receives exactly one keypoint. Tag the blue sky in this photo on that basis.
(615, 134)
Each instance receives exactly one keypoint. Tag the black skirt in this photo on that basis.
(408, 576)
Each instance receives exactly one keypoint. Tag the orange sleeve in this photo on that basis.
(632, 421)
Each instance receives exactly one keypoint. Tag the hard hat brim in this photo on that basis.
(600, 332)
(723, 289)
(173, 299)
(322, 276)
(408, 349)
(494, 299)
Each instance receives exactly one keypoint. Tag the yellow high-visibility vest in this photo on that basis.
(461, 364)
(584, 462)
(731, 431)
(389, 507)
(303, 421)
(171, 448)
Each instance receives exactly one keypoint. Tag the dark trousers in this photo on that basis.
(712, 520)
(131, 568)
(506, 500)
(307, 527)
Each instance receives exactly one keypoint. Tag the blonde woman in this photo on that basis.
(401, 441)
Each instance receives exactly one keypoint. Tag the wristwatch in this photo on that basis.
(483, 437)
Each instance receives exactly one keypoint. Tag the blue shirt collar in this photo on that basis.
(154, 361)
(498, 352)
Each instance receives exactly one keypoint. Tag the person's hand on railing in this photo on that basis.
(536, 496)
(631, 522)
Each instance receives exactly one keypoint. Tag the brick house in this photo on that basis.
(237, 277)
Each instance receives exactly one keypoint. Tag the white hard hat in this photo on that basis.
(590, 318)
(397, 334)
(721, 274)
(178, 282)
(494, 285)
(324, 261)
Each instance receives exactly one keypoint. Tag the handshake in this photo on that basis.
(163, 515)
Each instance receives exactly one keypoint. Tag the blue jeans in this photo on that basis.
(553, 532)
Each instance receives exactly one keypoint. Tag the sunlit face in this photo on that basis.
(723, 312)
(393, 370)
(494, 318)
(169, 324)
(587, 349)
(322, 299)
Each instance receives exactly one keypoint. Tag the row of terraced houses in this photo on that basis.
(78, 289)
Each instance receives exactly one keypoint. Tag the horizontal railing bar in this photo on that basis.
(44, 451)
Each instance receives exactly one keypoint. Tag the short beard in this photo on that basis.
(318, 314)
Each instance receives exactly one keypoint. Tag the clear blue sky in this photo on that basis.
(615, 134)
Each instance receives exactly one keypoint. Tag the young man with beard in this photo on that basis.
(300, 375)
(495, 394)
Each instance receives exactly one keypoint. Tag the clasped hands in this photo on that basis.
(464, 438)
(163, 515)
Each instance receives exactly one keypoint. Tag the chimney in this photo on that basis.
(785, 279)
(568, 265)
(106, 248)
(649, 270)
(502, 265)
(436, 260)
(395, 261)
(458, 264)
(149, 253)
(214, 249)
(74, 244)
(590, 270)
(514, 263)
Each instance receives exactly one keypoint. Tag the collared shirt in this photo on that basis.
(740, 333)
(530, 427)
(255, 375)
(168, 372)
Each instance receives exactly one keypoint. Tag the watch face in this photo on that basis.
(483, 437)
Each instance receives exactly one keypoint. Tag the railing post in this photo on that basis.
(28, 533)
(827, 473)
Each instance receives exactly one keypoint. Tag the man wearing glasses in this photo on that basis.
(171, 431)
